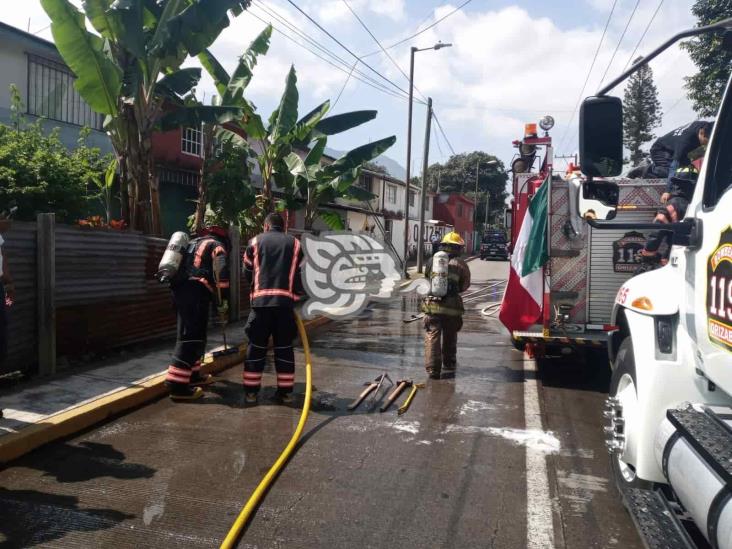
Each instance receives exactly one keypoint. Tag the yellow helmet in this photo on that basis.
(453, 238)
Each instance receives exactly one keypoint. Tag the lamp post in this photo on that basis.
(414, 50)
(477, 176)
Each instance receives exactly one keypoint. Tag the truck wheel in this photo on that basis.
(518, 345)
(623, 405)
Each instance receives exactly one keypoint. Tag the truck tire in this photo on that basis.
(623, 387)
(518, 345)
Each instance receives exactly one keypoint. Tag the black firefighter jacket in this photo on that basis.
(271, 265)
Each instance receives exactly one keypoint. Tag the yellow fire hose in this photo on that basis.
(233, 536)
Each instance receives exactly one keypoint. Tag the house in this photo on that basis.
(457, 210)
(46, 88)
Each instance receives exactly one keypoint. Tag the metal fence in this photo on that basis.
(20, 250)
(104, 294)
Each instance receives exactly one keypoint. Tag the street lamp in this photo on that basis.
(477, 176)
(413, 50)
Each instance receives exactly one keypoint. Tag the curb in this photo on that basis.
(78, 418)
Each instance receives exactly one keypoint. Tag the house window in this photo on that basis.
(51, 94)
(411, 197)
(459, 210)
(191, 141)
(366, 182)
(391, 194)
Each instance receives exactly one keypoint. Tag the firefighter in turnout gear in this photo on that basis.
(203, 277)
(444, 312)
(271, 265)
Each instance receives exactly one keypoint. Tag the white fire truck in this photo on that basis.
(670, 404)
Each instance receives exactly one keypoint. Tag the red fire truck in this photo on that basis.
(586, 267)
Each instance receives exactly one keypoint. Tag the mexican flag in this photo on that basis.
(522, 301)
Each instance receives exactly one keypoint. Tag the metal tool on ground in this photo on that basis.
(401, 385)
(371, 389)
(404, 407)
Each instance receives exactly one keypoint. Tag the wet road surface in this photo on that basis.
(473, 461)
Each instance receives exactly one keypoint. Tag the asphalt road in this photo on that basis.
(501, 456)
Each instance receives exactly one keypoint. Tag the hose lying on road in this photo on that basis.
(241, 521)
(493, 306)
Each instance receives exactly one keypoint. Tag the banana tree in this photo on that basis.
(130, 70)
(283, 131)
(317, 184)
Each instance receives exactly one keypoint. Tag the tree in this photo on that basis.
(641, 112)
(705, 89)
(129, 69)
(458, 175)
(39, 174)
(305, 183)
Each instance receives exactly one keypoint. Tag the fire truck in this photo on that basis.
(586, 266)
(669, 412)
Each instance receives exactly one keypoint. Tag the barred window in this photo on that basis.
(191, 141)
(391, 194)
(51, 94)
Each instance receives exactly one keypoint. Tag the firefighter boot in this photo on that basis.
(183, 393)
(198, 379)
(283, 396)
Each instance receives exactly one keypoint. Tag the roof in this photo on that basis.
(442, 198)
(27, 36)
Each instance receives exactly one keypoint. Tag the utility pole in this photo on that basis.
(487, 204)
(409, 160)
(423, 200)
(412, 51)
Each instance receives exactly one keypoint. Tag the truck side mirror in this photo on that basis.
(601, 136)
(598, 200)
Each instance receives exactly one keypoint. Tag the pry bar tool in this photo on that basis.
(404, 407)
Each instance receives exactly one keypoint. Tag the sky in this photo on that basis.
(511, 63)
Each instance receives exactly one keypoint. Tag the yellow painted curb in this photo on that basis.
(71, 421)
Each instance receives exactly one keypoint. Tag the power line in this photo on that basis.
(314, 22)
(437, 142)
(620, 41)
(437, 121)
(653, 17)
(344, 86)
(408, 38)
(589, 73)
(371, 34)
(316, 54)
(292, 27)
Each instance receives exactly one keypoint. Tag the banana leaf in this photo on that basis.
(195, 116)
(285, 117)
(243, 73)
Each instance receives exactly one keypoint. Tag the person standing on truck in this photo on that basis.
(203, 277)
(272, 268)
(444, 315)
(671, 152)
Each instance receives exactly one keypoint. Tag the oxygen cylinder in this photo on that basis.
(438, 281)
(170, 263)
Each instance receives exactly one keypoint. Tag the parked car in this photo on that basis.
(494, 246)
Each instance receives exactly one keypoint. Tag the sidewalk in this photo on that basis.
(47, 409)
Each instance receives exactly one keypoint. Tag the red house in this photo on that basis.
(457, 210)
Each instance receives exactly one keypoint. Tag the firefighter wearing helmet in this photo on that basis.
(198, 272)
(443, 307)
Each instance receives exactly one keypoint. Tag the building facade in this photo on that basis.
(457, 210)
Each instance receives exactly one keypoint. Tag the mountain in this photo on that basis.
(394, 168)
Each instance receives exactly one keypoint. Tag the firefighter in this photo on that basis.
(203, 277)
(671, 152)
(271, 265)
(680, 192)
(444, 315)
